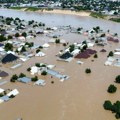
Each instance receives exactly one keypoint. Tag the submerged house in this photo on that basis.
(86, 54)
(24, 79)
(3, 74)
(9, 58)
(66, 55)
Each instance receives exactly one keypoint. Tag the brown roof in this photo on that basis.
(86, 54)
(103, 50)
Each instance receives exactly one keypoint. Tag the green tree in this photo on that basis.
(44, 73)
(24, 34)
(17, 35)
(8, 47)
(107, 105)
(117, 79)
(22, 75)
(88, 70)
(110, 54)
(34, 79)
(112, 89)
(57, 41)
(95, 56)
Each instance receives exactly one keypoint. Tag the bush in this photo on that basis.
(22, 75)
(24, 34)
(88, 70)
(95, 56)
(44, 73)
(117, 79)
(9, 37)
(110, 54)
(112, 89)
(37, 65)
(34, 79)
(38, 50)
(8, 47)
(14, 78)
(28, 69)
(57, 41)
(107, 105)
(17, 35)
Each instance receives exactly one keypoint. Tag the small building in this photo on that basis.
(24, 79)
(13, 92)
(40, 82)
(1, 90)
(66, 55)
(9, 58)
(3, 74)
(5, 98)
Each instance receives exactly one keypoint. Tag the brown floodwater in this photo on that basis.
(79, 98)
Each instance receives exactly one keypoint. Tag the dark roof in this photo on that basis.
(1, 44)
(66, 55)
(112, 39)
(86, 54)
(90, 51)
(3, 74)
(116, 40)
(103, 50)
(3, 32)
(9, 58)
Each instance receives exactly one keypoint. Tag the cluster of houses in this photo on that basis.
(6, 95)
(41, 68)
(114, 60)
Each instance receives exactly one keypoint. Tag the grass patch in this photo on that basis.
(32, 9)
(97, 15)
(115, 19)
(17, 8)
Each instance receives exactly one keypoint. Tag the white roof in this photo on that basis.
(1, 90)
(117, 53)
(90, 44)
(40, 54)
(108, 63)
(45, 45)
(20, 48)
(22, 44)
(54, 28)
(80, 62)
(45, 31)
(30, 36)
(11, 52)
(1, 101)
(2, 49)
(62, 41)
(24, 59)
(34, 69)
(9, 41)
(21, 38)
(13, 92)
(75, 52)
(40, 82)
(117, 49)
(50, 66)
(111, 59)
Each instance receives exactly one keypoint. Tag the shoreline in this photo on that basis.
(57, 11)
(67, 12)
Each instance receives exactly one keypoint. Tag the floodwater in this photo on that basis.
(79, 98)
